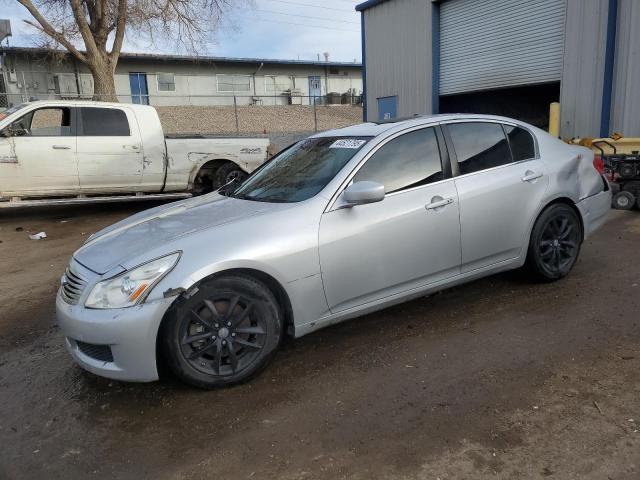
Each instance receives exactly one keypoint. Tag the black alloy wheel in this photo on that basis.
(224, 333)
(555, 243)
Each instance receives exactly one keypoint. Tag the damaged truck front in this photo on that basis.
(54, 152)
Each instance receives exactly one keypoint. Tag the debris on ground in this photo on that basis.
(38, 236)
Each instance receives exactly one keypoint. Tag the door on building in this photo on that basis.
(421, 198)
(38, 153)
(139, 88)
(387, 108)
(4, 101)
(315, 90)
(110, 155)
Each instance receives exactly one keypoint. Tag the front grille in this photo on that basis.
(73, 284)
(98, 352)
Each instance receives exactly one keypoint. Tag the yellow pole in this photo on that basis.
(554, 119)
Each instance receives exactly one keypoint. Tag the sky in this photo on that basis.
(280, 29)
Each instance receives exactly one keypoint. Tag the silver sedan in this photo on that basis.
(338, 225)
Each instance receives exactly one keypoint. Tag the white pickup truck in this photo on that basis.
(59, 152)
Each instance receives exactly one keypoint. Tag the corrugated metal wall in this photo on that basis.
(399, 55)
(583, 70)
(625, 116)
(501, 43)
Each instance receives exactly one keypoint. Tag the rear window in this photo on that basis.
(479, 146)
(521, 141)
(104, 122)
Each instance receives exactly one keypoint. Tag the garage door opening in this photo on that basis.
(529, 103)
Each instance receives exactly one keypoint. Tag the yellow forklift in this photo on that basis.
(616, 157)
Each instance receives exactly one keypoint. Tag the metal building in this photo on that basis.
(168, 80)
(505, 57)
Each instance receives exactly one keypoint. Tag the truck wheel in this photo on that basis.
(226, 173)
(224, 334)
(624, 200)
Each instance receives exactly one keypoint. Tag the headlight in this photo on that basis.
(132, 287)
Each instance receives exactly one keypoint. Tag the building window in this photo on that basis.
(274, 85)
(166, 82)
(234, 83)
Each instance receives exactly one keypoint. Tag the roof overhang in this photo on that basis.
(187, 59)
(369, 4)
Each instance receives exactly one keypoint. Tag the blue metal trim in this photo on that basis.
(369, 4)
(364, 69)
(610, 53)
(435, 61)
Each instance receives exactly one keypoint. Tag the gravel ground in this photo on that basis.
(254, 119)
(497, 379)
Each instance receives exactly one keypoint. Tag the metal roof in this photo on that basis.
(187, 58)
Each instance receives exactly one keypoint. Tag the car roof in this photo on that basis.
(71, 103)
(373, 129)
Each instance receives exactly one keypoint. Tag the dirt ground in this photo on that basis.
(497, 379)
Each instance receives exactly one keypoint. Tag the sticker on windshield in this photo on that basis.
(353, 143)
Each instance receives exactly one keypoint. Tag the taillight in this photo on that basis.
(598, 164)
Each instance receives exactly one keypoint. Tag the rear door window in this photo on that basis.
(408, 161)
(104, 122)
(479, 146)
(521, 142)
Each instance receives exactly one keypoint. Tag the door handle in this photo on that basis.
(61, 147)
(438, 202)
(131, 147)
(530, 176)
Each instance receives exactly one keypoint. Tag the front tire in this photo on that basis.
(224, 334)
(227, 173)
(555, 243)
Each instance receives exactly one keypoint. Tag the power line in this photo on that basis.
(312, 6)
(307, 16)
(307, 25)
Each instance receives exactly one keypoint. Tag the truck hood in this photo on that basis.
(147, 230)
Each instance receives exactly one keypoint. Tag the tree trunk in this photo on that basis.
(104, 87)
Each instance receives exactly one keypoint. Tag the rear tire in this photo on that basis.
(624, 200)
(224, 334)
(555, 243)
(227, 173)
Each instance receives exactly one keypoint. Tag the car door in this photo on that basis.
(110, 153)
(501, 183)
(38, 153)
(410, 239)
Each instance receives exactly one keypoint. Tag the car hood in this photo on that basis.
(129, 238)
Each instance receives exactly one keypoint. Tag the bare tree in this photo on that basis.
(100, 26)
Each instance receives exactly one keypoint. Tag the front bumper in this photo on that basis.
(130, 333)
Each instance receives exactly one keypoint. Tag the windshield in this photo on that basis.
(4, 114)
(301, 171)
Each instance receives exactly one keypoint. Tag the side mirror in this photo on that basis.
(361, 193)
